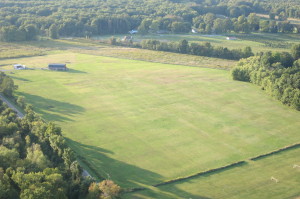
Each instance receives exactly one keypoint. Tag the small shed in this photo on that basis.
(19, 67)
(62, 67)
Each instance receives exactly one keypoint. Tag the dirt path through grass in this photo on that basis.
(19, 113)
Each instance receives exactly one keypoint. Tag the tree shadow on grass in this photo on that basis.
(52, 110)
(69, 70)
(170, 193)
(20, 79)
(55, 44)
(165, 190)
(99, 163)
(75, 71)
(61, 44)
(104, 166)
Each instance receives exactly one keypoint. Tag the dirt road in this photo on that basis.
(20, 114)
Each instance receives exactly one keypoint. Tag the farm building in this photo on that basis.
(19, 67)
(57, 67)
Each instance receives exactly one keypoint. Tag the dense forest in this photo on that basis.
(276, 73)
(26, 19)
(35, 161)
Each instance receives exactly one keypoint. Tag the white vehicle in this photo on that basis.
(133, 31)
(19, 67)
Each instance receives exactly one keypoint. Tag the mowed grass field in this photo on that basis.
(141, 123)
(252, 180)
(44, 47)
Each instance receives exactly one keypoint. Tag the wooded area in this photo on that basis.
(184, 47)
(276, 73)
(25, 20)
(35, 158)
(35, 161)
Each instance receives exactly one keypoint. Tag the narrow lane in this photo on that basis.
(10, 105)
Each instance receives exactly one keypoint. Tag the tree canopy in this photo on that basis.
(276, 73)
(35, 161)
(26, 20)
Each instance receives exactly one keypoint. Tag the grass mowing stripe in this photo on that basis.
(252, 180)
(219, 169)
(159, 121)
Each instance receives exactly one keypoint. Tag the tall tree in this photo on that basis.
(31, 32)
(296, 51)
(53, 32)
(183, 46)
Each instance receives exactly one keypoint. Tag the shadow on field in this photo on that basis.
(55, 44)
(52, 109)
(68, 71)
(60, 44)
(20, 79)
(75, 71)
(103, 166)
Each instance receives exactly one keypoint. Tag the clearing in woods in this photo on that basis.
(259, 42)
(141, 123)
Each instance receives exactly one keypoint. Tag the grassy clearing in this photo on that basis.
(258, 41)
(42, 47)
(252, 180)
(142, 123)
(15, 50)
(95, 48)
(163, 57)
(291, 20)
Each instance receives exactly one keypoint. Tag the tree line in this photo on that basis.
(184, 47)
(25, 20)
(36, 162)
(211, 23)
(7, 85)
(276, 73)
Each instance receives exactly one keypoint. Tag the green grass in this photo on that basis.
(252, 180)
(291, 20)
(142, 123)
(46, 46)
(163, 57)
(257, 41)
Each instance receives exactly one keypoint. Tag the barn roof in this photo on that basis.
(57, 65)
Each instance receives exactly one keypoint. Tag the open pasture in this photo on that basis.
(9, 50)
(141, 123)
(276, 177)
(27, 49)
(259, 42)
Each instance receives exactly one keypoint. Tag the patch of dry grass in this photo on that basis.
(43, 47)
(16, 50)
(161, 57)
